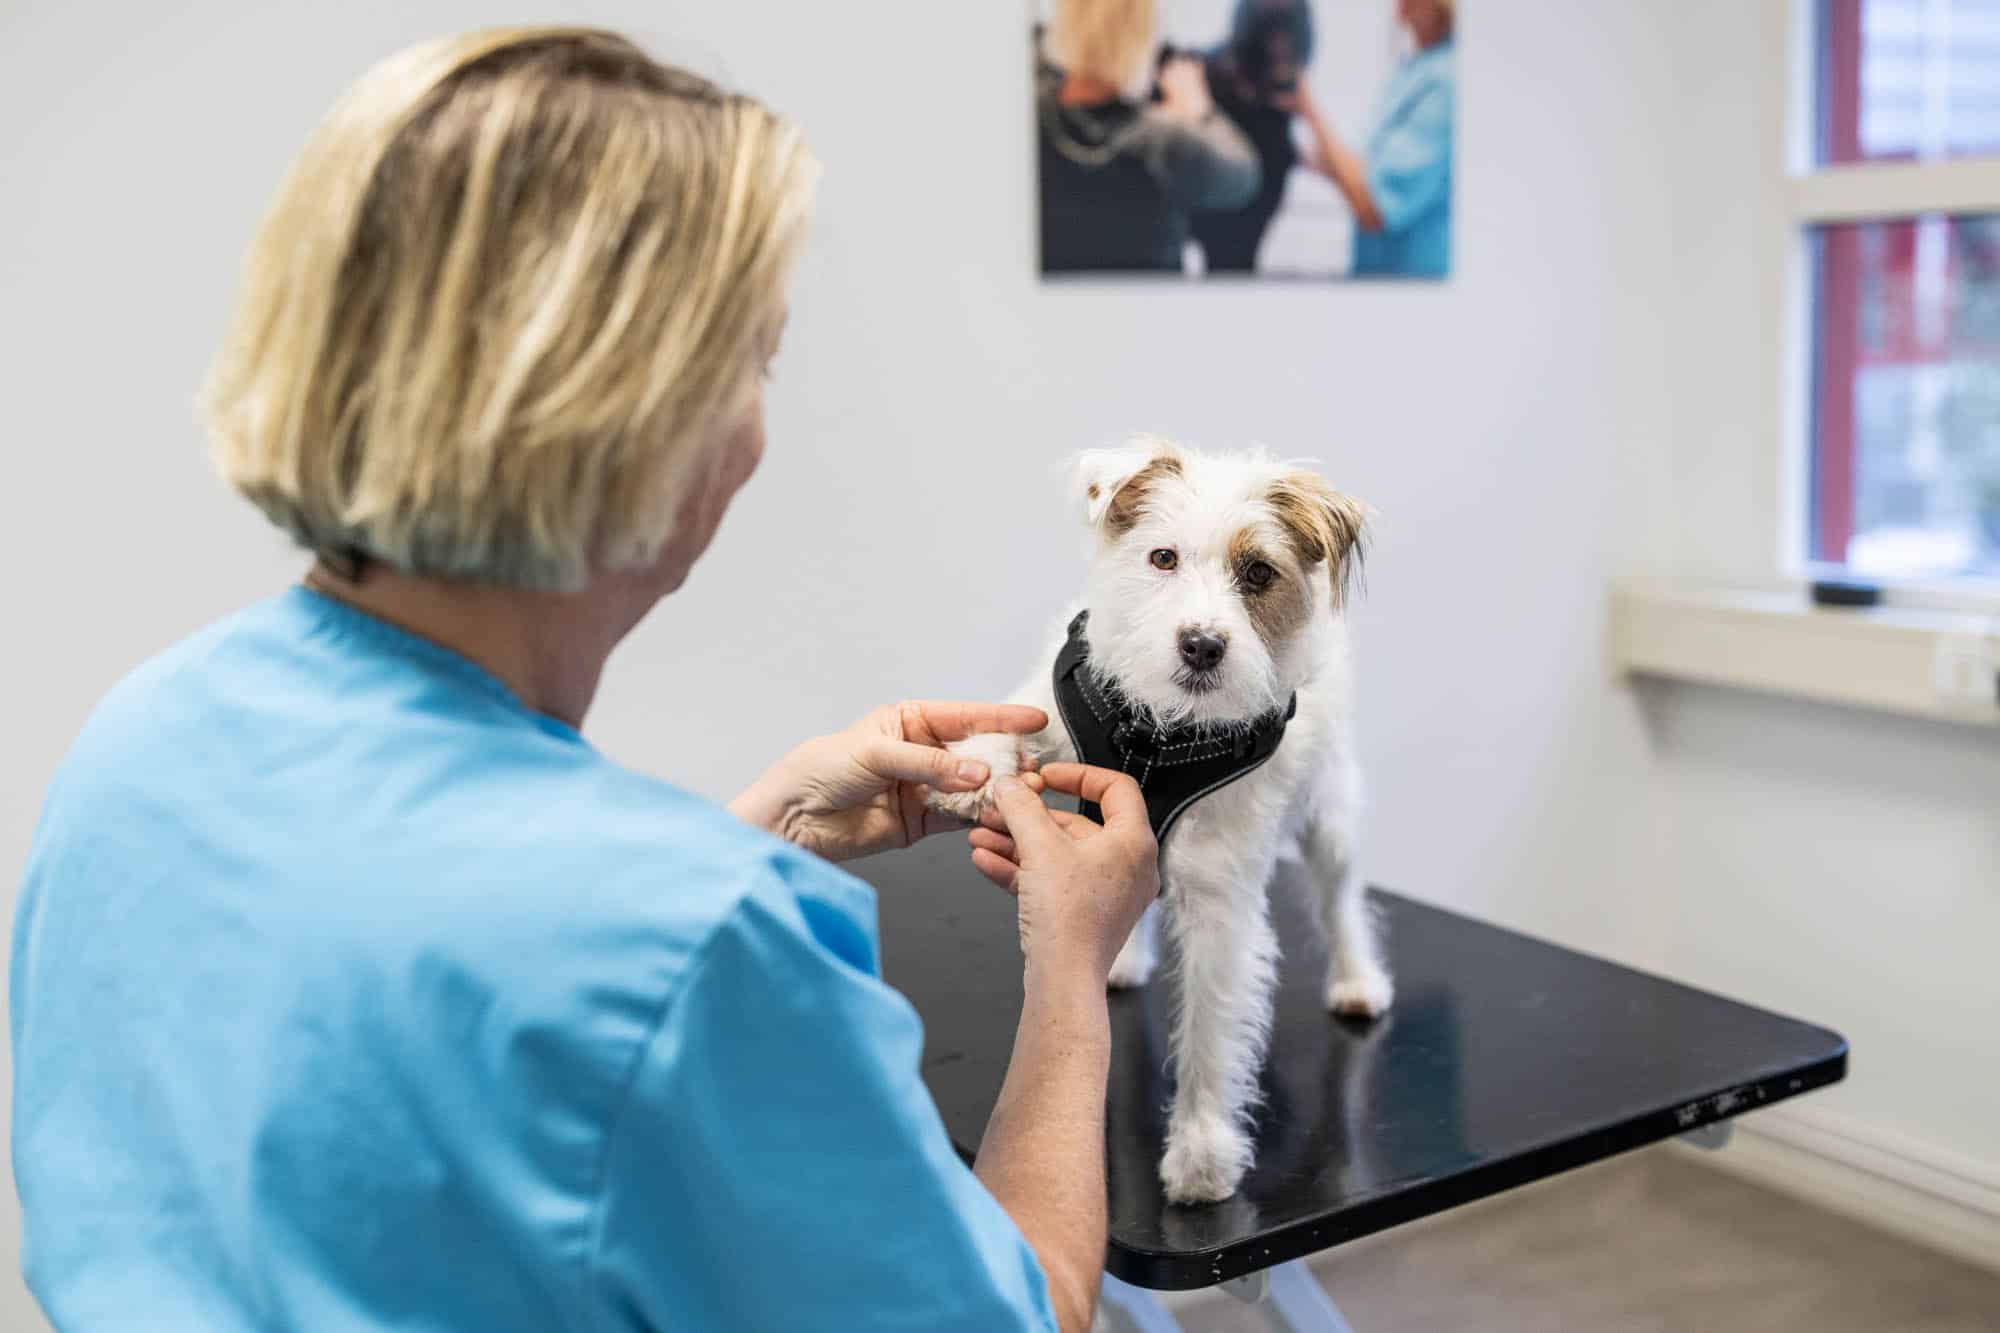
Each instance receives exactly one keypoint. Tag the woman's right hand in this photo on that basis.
(1184, 88)
(1082, 885)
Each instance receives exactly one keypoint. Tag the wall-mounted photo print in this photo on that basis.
(1239, 138)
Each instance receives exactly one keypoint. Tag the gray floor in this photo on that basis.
(1648, 1243)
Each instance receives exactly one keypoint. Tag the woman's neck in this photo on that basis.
(549, 648)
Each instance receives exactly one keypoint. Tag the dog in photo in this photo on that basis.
(1213, 620)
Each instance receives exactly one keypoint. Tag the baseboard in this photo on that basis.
(1938, 1199)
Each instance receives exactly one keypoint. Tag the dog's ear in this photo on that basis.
(1113, 482)
(1323, 524)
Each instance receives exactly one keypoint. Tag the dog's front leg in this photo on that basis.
(1216, 901)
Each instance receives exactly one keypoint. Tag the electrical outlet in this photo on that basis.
(1965, 670)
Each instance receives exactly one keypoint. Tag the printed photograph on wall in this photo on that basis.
(1245, 138)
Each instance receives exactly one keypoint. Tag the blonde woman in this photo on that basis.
(352, 988)
(1121, 175)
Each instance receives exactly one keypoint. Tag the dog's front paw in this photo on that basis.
(1205, 1160)
(1366, 994)
(1003, 756)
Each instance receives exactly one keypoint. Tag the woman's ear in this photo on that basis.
(1112, 482)
(1323, 524)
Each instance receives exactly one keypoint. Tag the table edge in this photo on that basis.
(1187, 1270)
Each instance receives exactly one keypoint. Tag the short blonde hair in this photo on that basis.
(1111, 40)
(510, 291)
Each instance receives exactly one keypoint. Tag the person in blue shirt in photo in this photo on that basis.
(352, 988)
(1399, 185)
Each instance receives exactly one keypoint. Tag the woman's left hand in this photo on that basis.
(1184, 89)
(861, 790)
(1299, 101)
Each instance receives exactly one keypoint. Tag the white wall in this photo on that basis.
(1520, 428)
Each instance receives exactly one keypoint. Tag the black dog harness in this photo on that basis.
(1175, 766)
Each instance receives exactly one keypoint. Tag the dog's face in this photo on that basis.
(1210, 573)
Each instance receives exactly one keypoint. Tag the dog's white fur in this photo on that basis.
(1218, 860)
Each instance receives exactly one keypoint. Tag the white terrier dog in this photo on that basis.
(1213, 600)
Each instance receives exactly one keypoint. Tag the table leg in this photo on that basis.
(1124, 1308)
(1291, 1300)
(1713, 1136)
(1288, 1297)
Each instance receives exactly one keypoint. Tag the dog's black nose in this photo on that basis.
(1202, 650)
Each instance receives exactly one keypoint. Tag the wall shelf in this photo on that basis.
(1934, 664)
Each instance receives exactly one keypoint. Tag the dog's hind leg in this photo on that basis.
(1357, 978)
(1217, 910)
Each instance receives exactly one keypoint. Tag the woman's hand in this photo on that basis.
(1082, 885)
(1299, 99)
(861, 790)
(1184, 89)
(1330, 156)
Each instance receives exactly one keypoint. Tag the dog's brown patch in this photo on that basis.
(1280, 608)
(1126, 505)
(1321, 525)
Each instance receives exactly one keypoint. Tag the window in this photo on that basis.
(1899, 207)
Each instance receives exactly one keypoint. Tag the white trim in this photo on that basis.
(1864, 191)
(1940, 1199)
(1782, 494)
(1797, 84)
(1922, 663)
(1789, 364)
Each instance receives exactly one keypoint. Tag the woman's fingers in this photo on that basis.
(1029, 823)
(1075, 824)
(943, 720)
(997, 843)
(991, 816)
(1113, 792)
(906, 761)
(1068, 821)
(996, 868)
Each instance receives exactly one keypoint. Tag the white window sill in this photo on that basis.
(1935, 664)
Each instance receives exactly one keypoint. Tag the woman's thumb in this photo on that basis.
(1028, 821)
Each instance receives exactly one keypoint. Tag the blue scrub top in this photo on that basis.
(1409, 172)
(348, 993)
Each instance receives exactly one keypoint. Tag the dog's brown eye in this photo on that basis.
(1258, 575)
(1166, 558)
